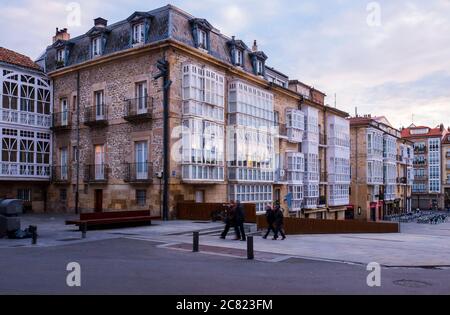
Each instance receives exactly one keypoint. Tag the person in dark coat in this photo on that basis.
(279, 222)
(230, 221)
(270, 217)
(240, 219)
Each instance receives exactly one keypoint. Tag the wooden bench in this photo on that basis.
(113, 218)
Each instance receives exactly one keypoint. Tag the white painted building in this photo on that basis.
(25, 136)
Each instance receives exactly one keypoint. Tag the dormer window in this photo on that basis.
(202, 39)
(96, 46)
(258, 61)
(138, 33)
(201, 30)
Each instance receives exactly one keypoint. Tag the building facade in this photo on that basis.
(381, 164)
(446, 169)
(25, 135)
(240, 130)
(427, 190)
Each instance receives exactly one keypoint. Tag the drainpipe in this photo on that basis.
(77, 192)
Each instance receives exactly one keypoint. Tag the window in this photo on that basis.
(260, 67)
(74, 153)
(141, 159)
(202, 39)
(141, 197)
(24, 194)
(96, 47)
(238, 57)
(141, 96)
(99, 106)
(64, 115)
(60, 56)
(99, 159)
(138, 33)
(64, 163)
(63, 194)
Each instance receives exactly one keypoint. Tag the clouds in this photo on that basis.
(396, 69)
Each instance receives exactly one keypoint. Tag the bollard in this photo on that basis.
(195, 242)
(250, 253)
(83, 229)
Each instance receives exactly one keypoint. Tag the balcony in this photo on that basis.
(420, 151)
(96, 173)
(138, 172)
(62, 121)
(96, 116)
(25, 118)
(61, 174)
(25, 170)
(294, 135)
(420, 162)
(138, 109)
(402, 180)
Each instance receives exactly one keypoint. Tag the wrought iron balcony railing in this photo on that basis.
(138, 172)
(96, 173)
(62, 121)
(61, 174)
(96, 115)
(138, 109)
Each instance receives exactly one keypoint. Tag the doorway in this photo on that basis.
(98, 200)
(373, 214)
(199, 196)
(277, 194)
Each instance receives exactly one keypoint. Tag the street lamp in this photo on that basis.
(163, 67)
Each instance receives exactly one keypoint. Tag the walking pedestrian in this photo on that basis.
(240, 219)
(279, 222)
(270, 217)
(230, 221)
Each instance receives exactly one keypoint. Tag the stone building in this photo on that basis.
(446, 169)
(240, 130)
(381, 164)
(427, 190)
(25, 136)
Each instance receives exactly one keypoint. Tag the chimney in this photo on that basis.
(255, 46)
(100, 22)
(61, 35)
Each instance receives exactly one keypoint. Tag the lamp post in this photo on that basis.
(163, 67)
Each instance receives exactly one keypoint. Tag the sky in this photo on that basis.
(388, 58)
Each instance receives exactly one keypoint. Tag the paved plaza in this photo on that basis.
(158, 259)
(418, 245)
